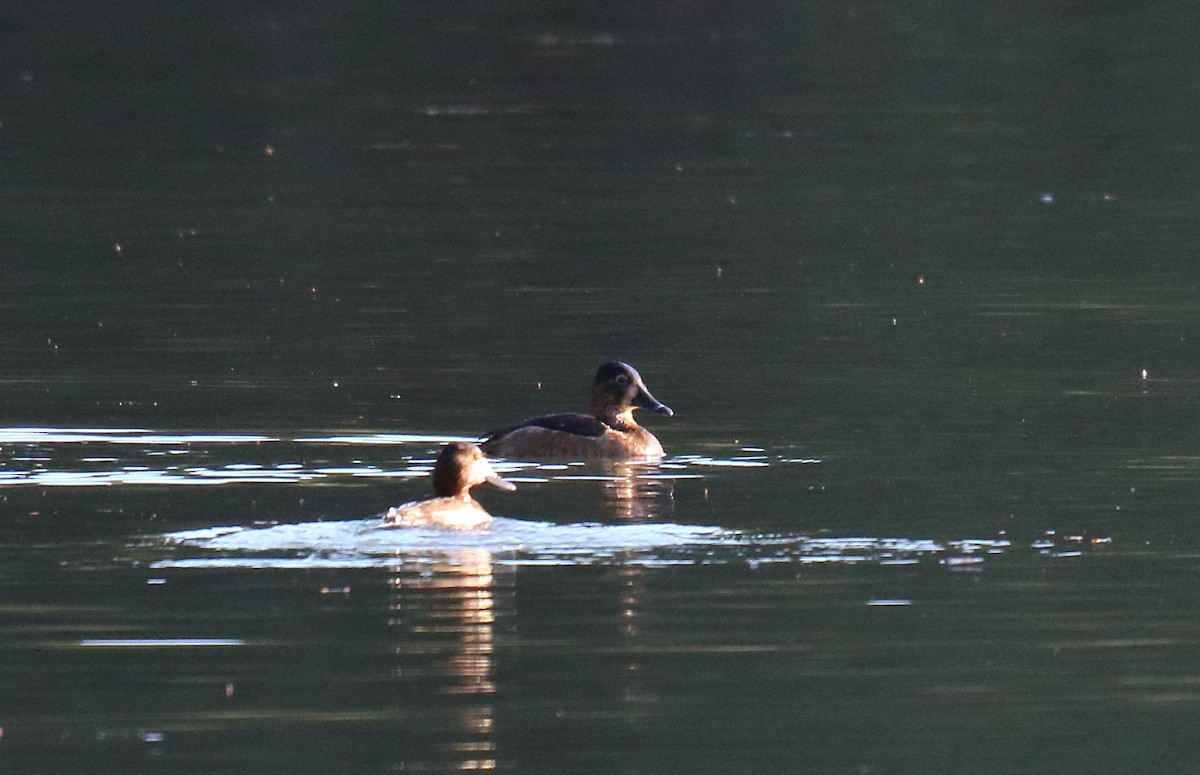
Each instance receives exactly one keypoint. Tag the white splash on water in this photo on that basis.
(365, 543)
(367, 539)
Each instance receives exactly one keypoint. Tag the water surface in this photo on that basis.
(918, 281)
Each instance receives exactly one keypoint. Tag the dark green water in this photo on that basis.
(909, 261)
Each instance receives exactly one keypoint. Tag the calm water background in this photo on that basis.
(911, 259)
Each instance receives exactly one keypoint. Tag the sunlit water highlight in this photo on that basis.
(139, 457)
(43, 457)
(365, 543)
(158, 643)
(119, 436)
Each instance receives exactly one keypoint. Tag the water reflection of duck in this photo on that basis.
(608, 433)
(458, 468)
(636, 491)
(444, 619)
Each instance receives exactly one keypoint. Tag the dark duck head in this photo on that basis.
(617, 389)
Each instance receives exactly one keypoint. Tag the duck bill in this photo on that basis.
(643, 400)
(496, 481)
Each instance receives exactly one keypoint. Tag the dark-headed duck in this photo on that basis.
(458, 468)
(608, 433)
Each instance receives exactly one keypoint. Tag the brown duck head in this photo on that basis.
(461, 466)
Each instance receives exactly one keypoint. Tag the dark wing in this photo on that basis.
(574, 424)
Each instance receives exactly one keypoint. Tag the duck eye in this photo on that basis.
(622, 379)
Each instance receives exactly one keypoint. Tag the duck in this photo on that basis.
(459, 467)
(609, 433)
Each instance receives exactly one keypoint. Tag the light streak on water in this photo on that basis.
(158, 643)
(41, 457)
(387, 438)
(119, 436)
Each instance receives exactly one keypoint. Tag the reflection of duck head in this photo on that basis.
(608, 433)
(458, 468)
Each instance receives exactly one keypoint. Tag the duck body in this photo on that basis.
(572, 437)
(458, 468)
(608, 433)
(462, 512)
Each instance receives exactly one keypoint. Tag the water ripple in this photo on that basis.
(364, 543)
(138, 457)
(119, 436)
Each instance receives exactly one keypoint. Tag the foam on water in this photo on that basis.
(364, 543)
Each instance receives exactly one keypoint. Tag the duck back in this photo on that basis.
(571, 437)
(456, 512)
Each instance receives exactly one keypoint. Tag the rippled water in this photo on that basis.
(918, 281)
(537, 643)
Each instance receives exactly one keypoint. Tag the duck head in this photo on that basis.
(461, 466)
(617, 390)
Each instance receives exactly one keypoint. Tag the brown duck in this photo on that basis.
(608, 433)
(458, 468)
